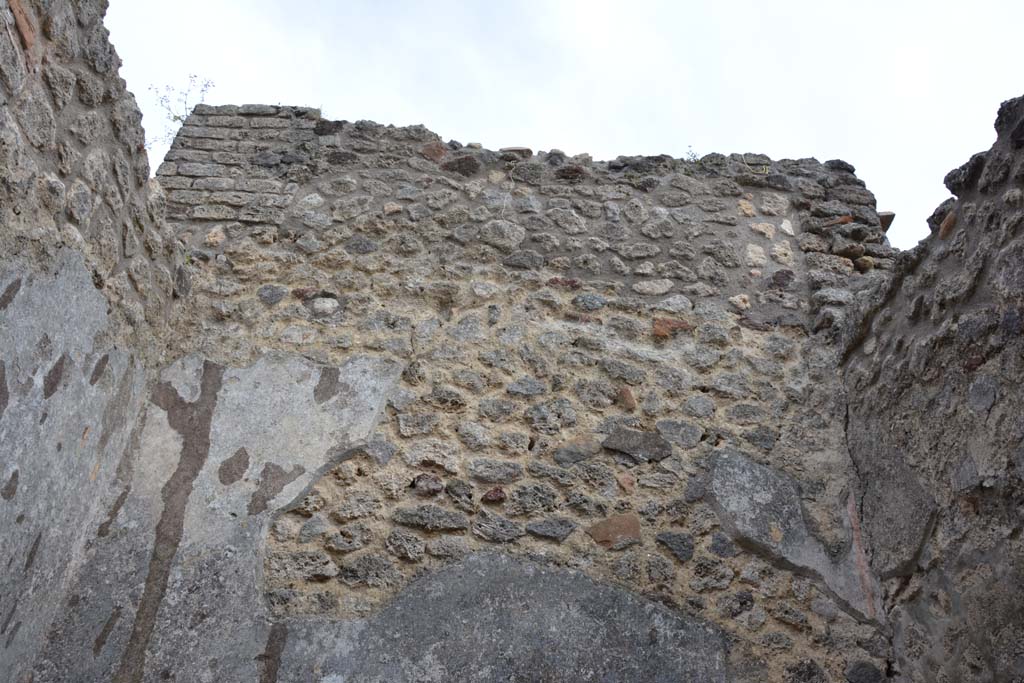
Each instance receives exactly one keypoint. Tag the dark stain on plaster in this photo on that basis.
(104, 529)
(327, 387)
(9, 293)
(192, 421)
(272, 480)
(270, 661)
(5, 396)
(126, 465)
(115, 413)
(11, 487)
(98, 369)
(10, 617)
(233, 469)
(14, 632)
(108, 626)
(30, 560)
(52, 380)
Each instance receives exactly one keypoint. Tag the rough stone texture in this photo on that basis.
(371, 406)
(936, 427)
(74, 170)
(512, 620)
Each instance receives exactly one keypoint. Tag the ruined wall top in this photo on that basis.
(280, 197)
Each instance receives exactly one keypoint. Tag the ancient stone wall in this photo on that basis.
(85, 285)
(936, 427)
(605, 362)
(336, 401)
(74, 169)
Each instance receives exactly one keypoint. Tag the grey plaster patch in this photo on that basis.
(761, 508)
(185, 539)
(192, 421)
(55, 471)
(898, 512)
(495, 618)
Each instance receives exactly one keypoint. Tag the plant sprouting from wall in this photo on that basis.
(176, 103)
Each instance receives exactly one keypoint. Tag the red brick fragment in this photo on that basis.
(627, 482)
(567, 282)
(494, 496)
(625, 399)
(435, 151)
(665, 328)
(616, 532)
(842, 220)
(947, 225)
(24, 25)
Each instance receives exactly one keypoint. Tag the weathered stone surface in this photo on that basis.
(495, 471)
(368, 570)
(427, 485)
(679, 544)
(863, 672)
(405, 545)
(311, 565)
(572, 452)
(532, 498)
(493, 527)
(683, 434)
(431, 518)
(502, 234)
(529, 618)
(555, 528)
(527, 386)
(356, 506)
(641, 446)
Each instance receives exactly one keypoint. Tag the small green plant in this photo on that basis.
(691, 156)
(176, 104)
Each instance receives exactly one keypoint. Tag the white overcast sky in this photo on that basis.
(905, 91)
